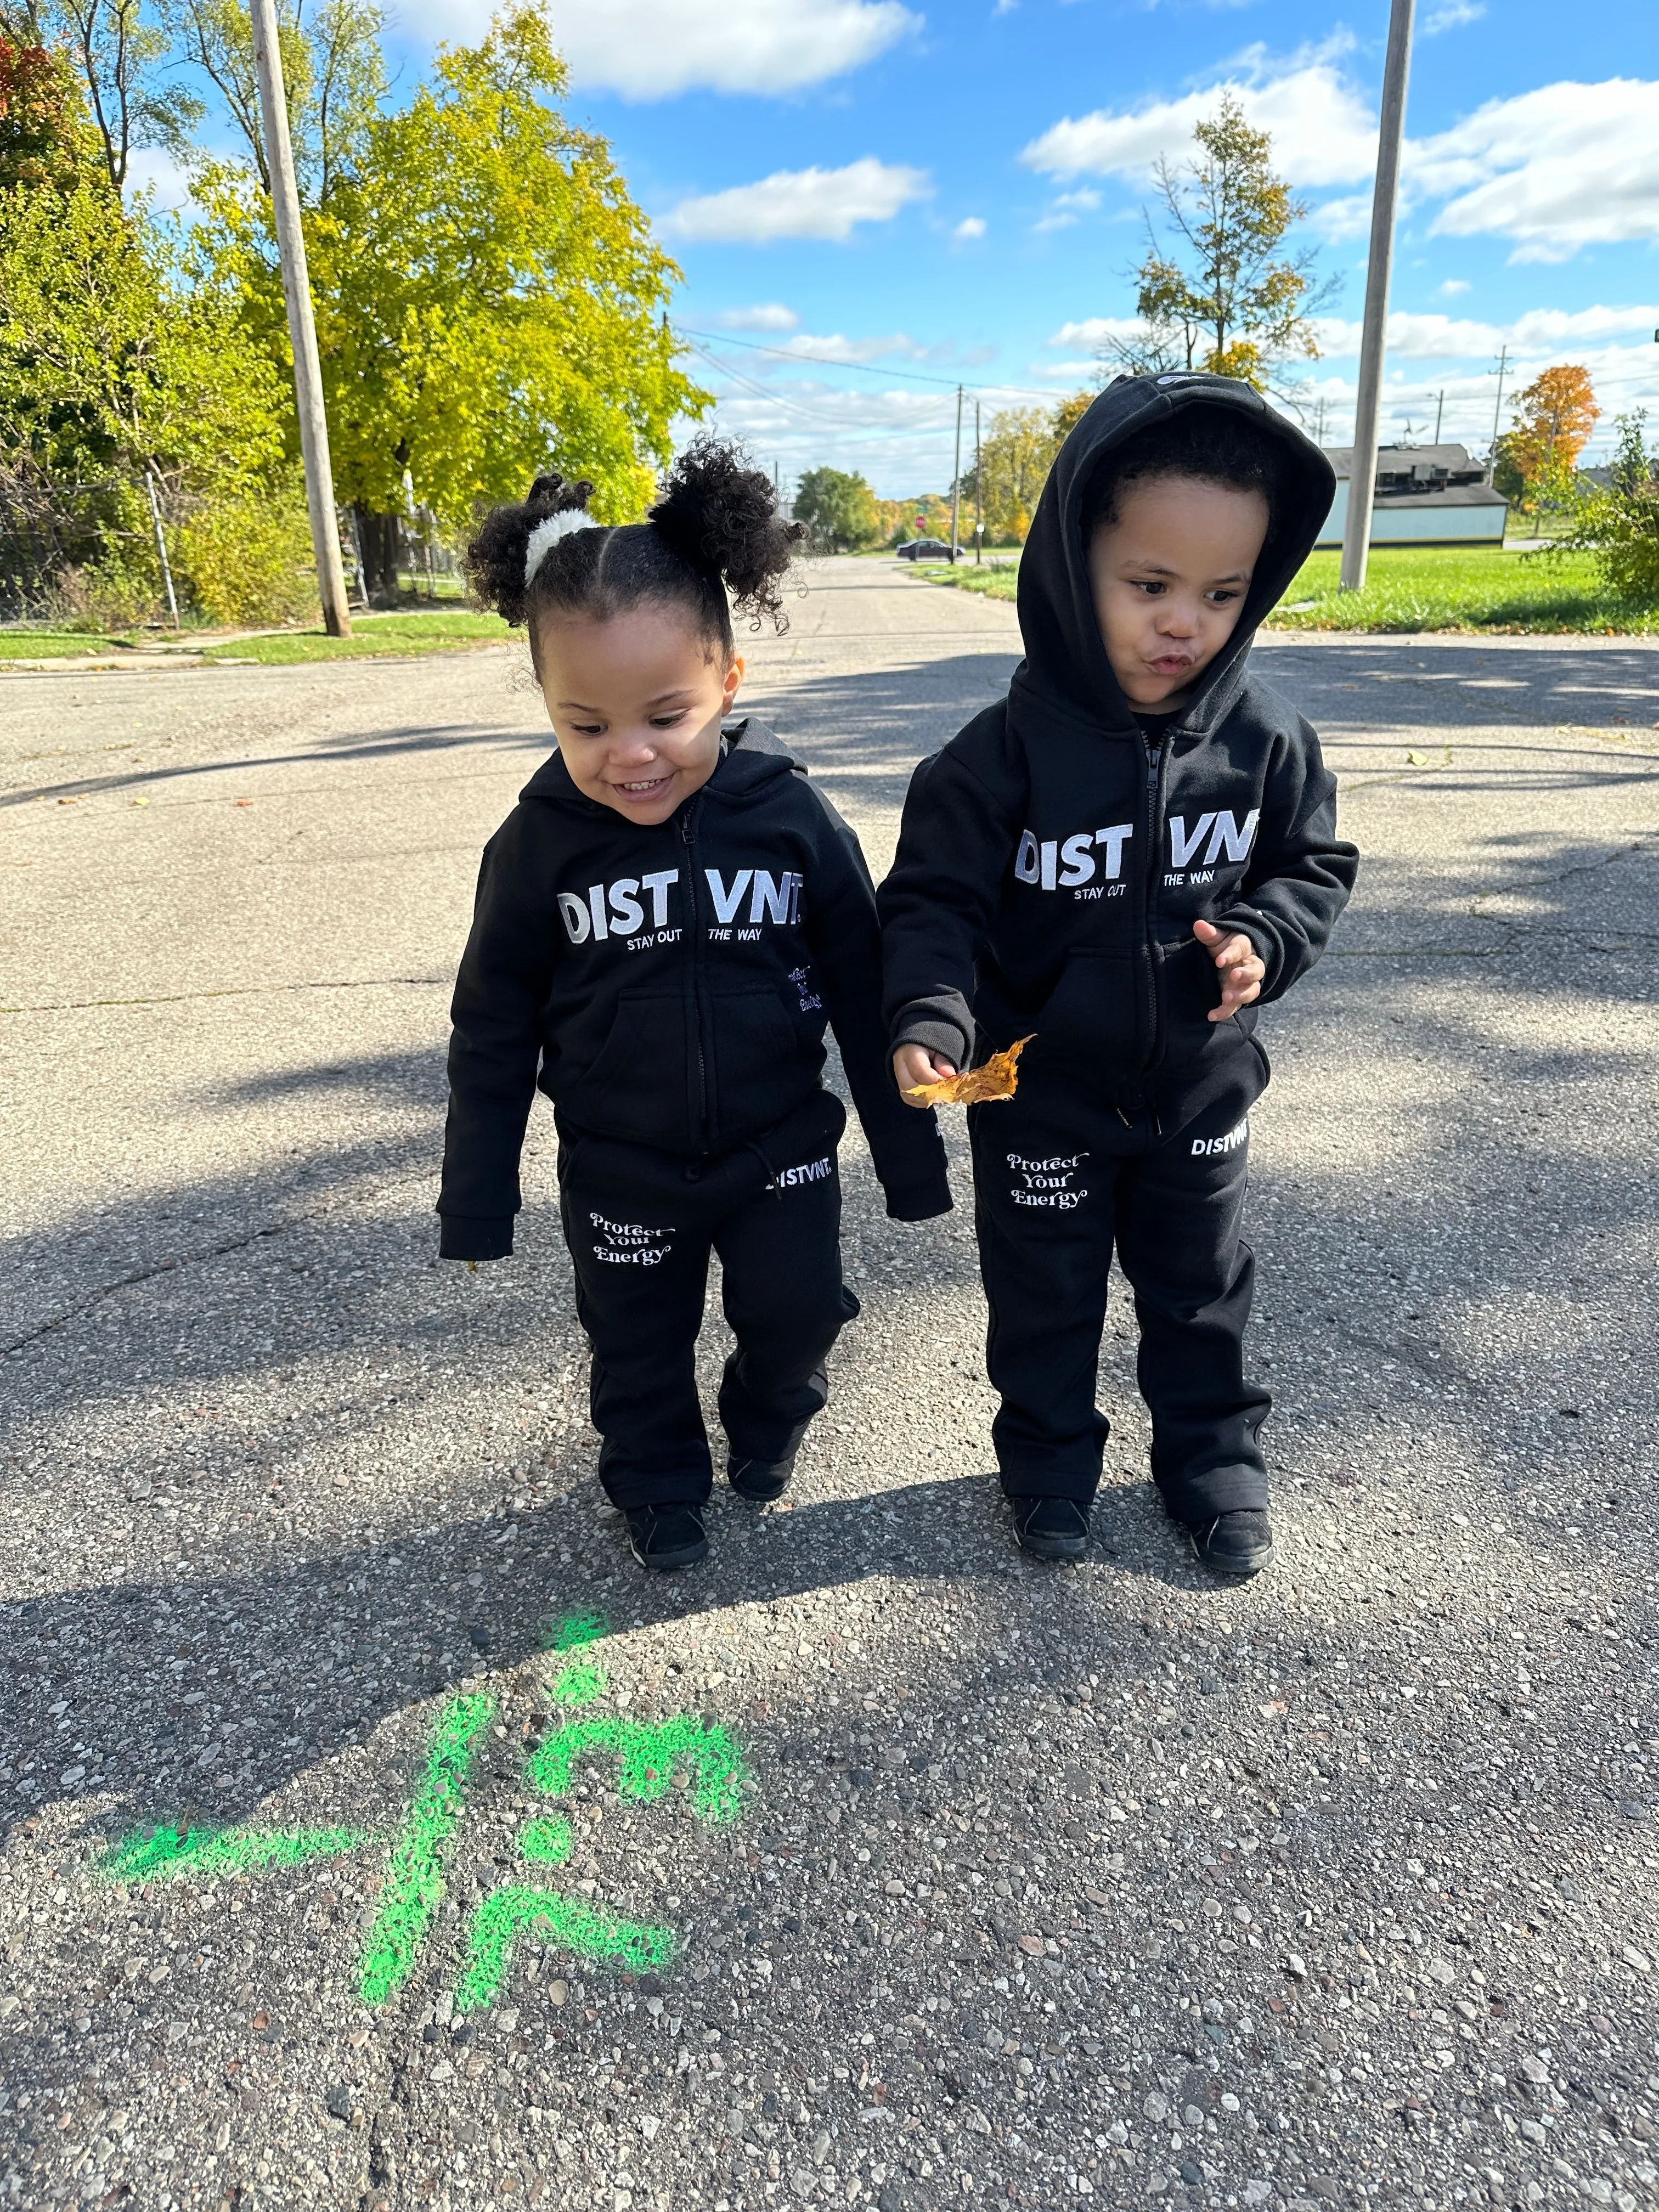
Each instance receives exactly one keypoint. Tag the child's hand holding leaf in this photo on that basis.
(934, 1082)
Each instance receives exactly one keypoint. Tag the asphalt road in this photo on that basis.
(1033, 1885)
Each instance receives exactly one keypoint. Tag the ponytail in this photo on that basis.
(716, 541)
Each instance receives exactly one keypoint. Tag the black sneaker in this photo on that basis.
(1051, 1527)
(1239, 1543)
(760, 1481)
(664, 1536)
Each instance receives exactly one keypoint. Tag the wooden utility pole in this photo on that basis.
(1362, 475)
(301, 330)
(979, 492)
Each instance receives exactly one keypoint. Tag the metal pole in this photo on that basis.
(1439, 410)
(1498, 409)
(956, 482)
(1361, 478)
(162, 546)
(301, 330)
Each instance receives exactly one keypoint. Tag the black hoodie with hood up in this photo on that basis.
(669, 985)
(1054, 856)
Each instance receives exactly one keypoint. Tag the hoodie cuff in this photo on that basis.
(921, 1026)
(919, 1201)
(461, 1237)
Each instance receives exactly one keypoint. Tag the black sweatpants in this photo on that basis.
(640, 1224)
(1059, 1180)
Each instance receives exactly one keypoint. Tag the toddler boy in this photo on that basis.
(1123, 859)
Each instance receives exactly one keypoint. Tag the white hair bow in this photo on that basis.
(547, 534)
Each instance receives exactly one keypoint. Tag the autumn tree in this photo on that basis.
(1216, 290)
(1553, 418)
(839, 508)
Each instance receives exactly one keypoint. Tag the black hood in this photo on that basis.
(1065, 664)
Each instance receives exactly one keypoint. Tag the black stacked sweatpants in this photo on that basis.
(640, 1225)
(1062, 1180)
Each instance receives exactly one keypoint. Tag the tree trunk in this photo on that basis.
(378, 541)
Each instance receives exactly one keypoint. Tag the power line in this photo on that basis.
(863, 368)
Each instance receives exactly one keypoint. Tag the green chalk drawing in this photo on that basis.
(547, 1842)
(580, 1683)
(571, 1923)
(225, 1850)
(577, 1629)
(648, 1751)
(413, 1884)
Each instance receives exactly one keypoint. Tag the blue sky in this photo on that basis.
(952, 188)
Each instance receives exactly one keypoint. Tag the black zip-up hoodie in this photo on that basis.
(673, 983)
(1054, 856)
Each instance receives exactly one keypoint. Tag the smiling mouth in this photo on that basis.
(643, 790)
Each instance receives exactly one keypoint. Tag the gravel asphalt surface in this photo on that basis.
(1036, 1884)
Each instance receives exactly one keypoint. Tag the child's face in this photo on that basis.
(636, 704)
(1169, 578)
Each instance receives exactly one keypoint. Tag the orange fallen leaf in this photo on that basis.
(997, 1078)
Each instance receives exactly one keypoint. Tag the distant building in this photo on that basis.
(1424, 495)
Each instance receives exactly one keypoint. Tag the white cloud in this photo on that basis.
(1566, 165)
(1452, 15)
(766, 315)
(837, 348)
(1323, 129)
(652, 49)
(800, 203)
(1096, 330)
(1059, 222)
(1453, 286)
(1445, 338)
(971, 226)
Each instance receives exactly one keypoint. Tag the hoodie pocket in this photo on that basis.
(1188, 990)
(1094, 1022)
(634, 1088)
(761, 1070)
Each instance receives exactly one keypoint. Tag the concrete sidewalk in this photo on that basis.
(973, 1881)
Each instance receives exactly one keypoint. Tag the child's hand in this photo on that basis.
(1238, 964)
(913, 1065)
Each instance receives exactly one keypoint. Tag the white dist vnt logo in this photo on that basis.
(771, 898)
(808, 1171)
(617, 909)
(1071, 863)
(1225, 835)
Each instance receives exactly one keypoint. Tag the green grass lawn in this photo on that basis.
(51, 644)
(371, 635)
(1420, 587)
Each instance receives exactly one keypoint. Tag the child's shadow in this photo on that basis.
(309, 1659)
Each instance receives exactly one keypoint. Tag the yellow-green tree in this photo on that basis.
(489, 299)
(117, 371)
(839, 508)
(1015, 456)
(1216, 290)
